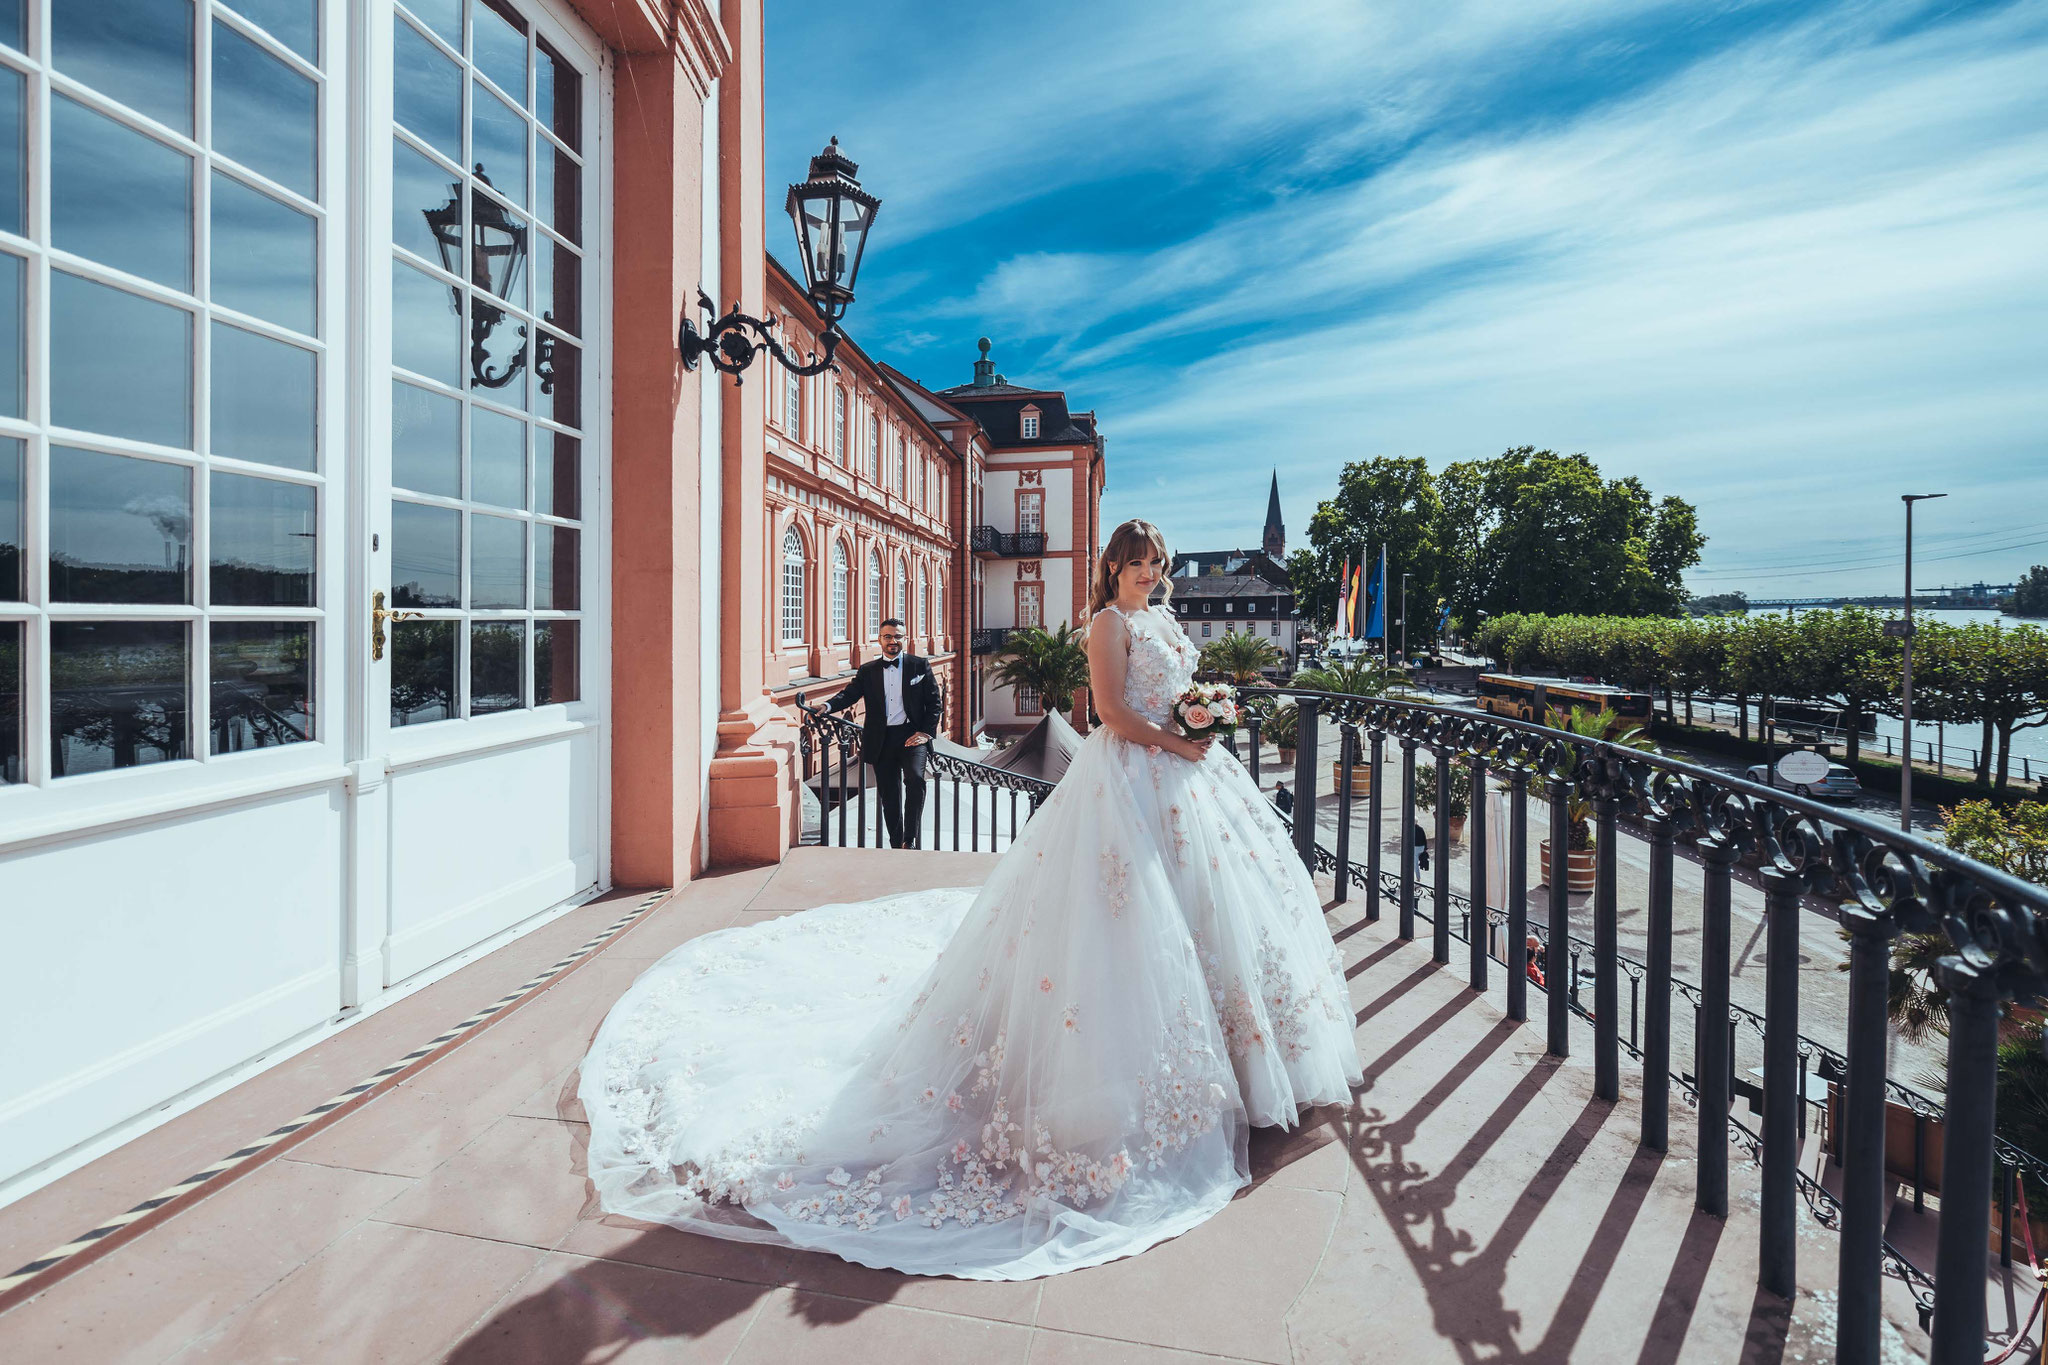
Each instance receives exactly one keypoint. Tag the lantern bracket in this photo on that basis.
(732, 341)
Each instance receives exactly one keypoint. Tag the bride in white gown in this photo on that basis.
(1050, 1072)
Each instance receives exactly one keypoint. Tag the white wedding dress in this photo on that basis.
(1050, 1072)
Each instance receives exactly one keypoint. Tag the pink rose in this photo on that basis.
(1198, 717)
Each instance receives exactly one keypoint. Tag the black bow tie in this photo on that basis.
(891, 663)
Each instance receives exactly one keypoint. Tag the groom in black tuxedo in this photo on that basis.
(903, 711)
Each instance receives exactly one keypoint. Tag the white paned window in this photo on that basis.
(924, 601)
(1030, 426)
(841, 572)
(489, 189)
(839, 425)
(792, 587)
(903, 592)
(874, 447)
(939, 605)
(167, 389)
(874, 594)
(1027, 701)
(1031, 512)
(792, 404)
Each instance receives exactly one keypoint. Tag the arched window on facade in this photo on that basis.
(874, 447)
(874, 594)
(792, 587)
(924, 601)
(841, 572)
(839, 424)
(939, 606)
(902, 466)
(903, 591)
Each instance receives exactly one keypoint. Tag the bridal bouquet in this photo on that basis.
(1206, 709)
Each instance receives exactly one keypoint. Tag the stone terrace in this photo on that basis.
(1474, 1203)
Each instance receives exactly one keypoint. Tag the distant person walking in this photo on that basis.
(1284, 799)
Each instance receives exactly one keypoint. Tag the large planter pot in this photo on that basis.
(1361, 778)
(1457, 828)
(1286, 756)
(1578, 864)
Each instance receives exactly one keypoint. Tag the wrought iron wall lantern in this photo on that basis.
(491, 254)
(832, 215)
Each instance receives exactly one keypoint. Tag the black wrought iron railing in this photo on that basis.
(987, 540)
(989, 639)
(1873, 881)
(969, 806)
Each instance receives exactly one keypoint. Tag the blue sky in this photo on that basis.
(1786, 261)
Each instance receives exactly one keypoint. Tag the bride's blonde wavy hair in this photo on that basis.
(1128, 544)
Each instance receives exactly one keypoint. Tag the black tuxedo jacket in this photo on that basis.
(922, 702)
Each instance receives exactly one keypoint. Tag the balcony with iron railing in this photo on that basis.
(1814, 1194)
(994, 544)
(989, 639)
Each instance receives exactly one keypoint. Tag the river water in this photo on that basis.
(1957, 744)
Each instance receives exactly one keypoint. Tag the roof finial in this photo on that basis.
(984, 368)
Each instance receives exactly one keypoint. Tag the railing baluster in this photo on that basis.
(974, 818)
(1305, 782)
(1657, 1026)
(1860, 1141)
(1373, 837)
(1965, 1229)
(1013, 815)
(1558, 950)
(1777, 1253)
(1518, 892)
(1481, 927)
(1713, 1052)
(1252, 720)
(1347, 744)
(1440, 927)
(1606, 953)
(956, 815)
(860, 814)
(1408, 744)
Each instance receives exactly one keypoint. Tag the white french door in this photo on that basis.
(301, 303)
(487, 695)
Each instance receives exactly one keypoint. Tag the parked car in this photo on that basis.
(1839, 785)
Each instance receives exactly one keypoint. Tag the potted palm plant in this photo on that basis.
(1460, 805)
(1280, 730)
(1050, 662)
(1355, 678)
(1240, 659)
(1586, 723)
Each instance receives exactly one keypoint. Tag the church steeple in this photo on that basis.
(1275, 541)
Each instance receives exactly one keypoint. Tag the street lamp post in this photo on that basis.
(1906, 671)
(1404, 618)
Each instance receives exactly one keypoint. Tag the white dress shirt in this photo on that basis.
(892, 691)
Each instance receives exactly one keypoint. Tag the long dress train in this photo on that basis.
(1050, 1072)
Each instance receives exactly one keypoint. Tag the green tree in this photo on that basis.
(1843, 658)
(1382, 502)
(1050, 662)
(2029, 597)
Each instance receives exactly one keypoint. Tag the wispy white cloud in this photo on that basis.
(1782, 279)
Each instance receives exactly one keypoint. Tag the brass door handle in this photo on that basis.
(379, 614)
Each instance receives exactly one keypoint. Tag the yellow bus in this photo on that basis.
(1510, 694)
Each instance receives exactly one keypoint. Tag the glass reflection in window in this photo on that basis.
(119, 364)
(295, 23)
(426, 329)
(497, 43)
(264, 112)
(12, 633)
(558, 96)
(419, 186)
(497, 564)
(555, 550)
(13, 519)
(497, 650)
(136, 51)
(13, 150)
(263, 255)
(564, 401)
(497, 458)
(442, 16)
(422, 671)
(556, 670)
(119, 196)
(13, 375)
(558, 191)
(557, 475)
(501, 372)
(262, 538)
(557, 273)
(426, 441)
(117, 694)
(426, 556)
(497, 143)
(120, 528)
(261, 684)
(426, 92)
(263, 399)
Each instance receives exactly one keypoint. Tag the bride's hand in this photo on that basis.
(1193, 750)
